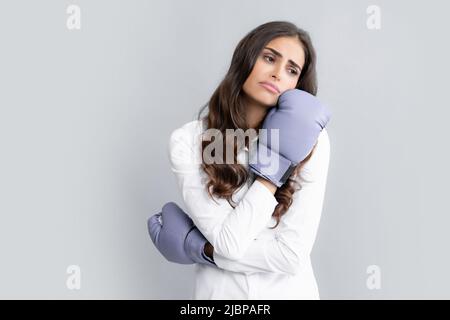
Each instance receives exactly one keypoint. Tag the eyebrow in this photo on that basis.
(281, 56)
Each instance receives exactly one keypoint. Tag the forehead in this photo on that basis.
(289, 47)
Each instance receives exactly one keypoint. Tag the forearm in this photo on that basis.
(209, 249)
(233, 234)
(264, 255)
(269, 185)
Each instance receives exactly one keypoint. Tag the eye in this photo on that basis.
(268, 57)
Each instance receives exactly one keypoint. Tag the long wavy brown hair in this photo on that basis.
(226, 110)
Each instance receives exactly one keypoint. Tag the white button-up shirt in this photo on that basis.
(253, 261)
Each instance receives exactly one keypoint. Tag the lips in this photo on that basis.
(270, 86)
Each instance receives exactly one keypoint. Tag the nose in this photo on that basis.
(276, 73)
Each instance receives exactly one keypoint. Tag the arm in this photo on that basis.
(295, 235)
(230, 231)
(269, 185)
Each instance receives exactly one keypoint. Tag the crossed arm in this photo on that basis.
(209, 249)
(233, 232)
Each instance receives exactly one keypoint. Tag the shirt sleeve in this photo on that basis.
(294, 237)
(230, 230)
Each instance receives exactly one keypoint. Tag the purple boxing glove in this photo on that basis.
(300, 117)
(176, 237)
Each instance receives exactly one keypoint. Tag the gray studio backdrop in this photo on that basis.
(85, 117)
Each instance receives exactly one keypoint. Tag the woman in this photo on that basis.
(255, 227)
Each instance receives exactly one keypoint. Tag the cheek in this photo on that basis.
(293, 83)
(290, 82)
(253, 77)
(258, 69)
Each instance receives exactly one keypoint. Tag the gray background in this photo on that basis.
(85, 117)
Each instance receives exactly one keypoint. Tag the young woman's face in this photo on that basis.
(279, 63)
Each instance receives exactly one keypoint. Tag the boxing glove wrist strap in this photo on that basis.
(194, 245)
(270, 165)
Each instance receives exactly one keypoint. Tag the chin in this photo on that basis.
(268, 102)
(261, 97)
